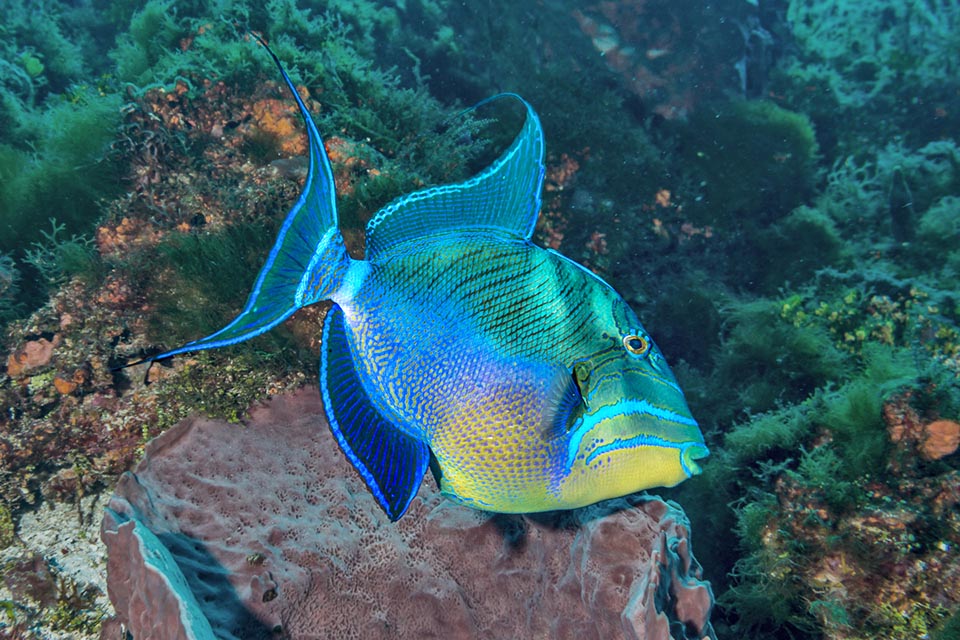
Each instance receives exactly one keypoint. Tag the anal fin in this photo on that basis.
(391, 463)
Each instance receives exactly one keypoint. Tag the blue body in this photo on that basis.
(526, 378)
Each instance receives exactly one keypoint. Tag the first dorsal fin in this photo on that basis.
(505, 197)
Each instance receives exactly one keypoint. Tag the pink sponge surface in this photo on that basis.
(263, 530)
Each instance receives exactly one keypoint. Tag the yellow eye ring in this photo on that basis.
(637, 345)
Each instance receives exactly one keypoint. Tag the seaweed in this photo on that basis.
(8, 529)
(56, 160)
(198, 281)
(791, 251)
(59, 163)
(805, 288)
(773, 360)
(754, 161)
(950, 629)
(57, 258)
(764, 596)
(152, 35)
(37, 50)
(687, 320)
(853, 415)
(43, 594)
(9, 288)
(771, 435)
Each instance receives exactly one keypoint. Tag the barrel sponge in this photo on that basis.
(146, 576)
(276, 537)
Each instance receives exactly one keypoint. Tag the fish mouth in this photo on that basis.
(690, 453)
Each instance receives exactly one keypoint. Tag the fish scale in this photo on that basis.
(523, 380)
(467, 284)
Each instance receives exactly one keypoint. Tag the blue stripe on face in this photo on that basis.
(587, 423)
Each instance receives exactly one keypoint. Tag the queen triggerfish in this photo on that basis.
(521, 378)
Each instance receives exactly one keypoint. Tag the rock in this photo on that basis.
(64, 387)
(941, 438)
(33, 355)
(53, 581)
(30, 578)
(932, 438)
(263, 530)
(65, 534)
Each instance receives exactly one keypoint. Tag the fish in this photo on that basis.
(523, 380)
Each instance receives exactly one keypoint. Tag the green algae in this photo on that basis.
(792, 250)
(950, 629)
(9, 287)
(828, 443)
(75, 610)
(42, 595)
(756, 161)
(689, 325)
(218, 387)
(939, 226)
(199, 279)
(765, 592)
(153, 34)
(58, 162)
(853, 416)
(57, 258)
(8, 529)
(773, 360)
(768, 433)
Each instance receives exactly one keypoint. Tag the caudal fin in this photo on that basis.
(308, 260)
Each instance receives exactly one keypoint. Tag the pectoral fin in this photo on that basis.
(391, 463)
(564, 402)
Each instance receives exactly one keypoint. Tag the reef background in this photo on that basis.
(774, 186)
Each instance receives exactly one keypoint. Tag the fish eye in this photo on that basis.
(637, 345)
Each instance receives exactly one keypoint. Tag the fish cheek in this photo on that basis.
(581, 376)
(614, 459)
(641, 467)
(620, 472)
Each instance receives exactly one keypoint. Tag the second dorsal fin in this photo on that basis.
(504, 197)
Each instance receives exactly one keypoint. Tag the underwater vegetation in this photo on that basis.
(852, 57)
(758, 177)
(71, 126)
(677, 56)
(828, 308)
(789, 241)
